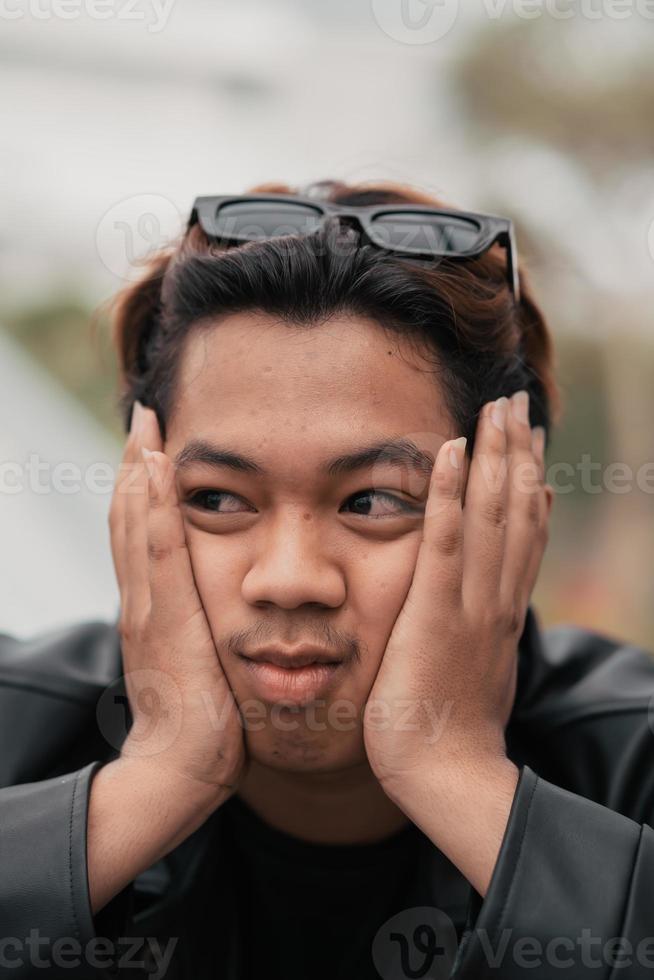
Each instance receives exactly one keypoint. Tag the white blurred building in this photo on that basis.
(55, 463)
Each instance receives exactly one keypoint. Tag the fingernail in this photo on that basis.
(137, 418)
(498, 412)
(456, 452)
(520, 406)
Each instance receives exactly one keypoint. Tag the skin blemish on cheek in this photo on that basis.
(307, 516)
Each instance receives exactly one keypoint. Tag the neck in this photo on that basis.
(345, 807)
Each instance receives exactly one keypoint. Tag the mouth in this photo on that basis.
(296, 678)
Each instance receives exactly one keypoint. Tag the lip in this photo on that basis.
(297, 657)
(296, 678)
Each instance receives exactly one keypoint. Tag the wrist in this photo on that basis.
(449, 803)
(463, 810)
(451, 778)
(180, 796)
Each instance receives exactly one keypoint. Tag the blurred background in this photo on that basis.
(117, 113)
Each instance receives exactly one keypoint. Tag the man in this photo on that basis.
(323, 739)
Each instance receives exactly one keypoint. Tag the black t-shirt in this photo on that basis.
(312, 910)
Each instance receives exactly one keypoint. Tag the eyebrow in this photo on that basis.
(398, 452)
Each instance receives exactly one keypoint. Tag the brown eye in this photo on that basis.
(210, 500)
(397, 505)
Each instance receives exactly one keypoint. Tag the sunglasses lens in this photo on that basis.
(252, 220)
(415, 232)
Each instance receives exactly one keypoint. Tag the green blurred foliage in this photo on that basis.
(559, 83)
(72, 342)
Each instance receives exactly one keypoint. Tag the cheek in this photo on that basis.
(214, 570)
(378, 585)
(381, 579)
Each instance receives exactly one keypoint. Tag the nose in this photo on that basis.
(292, 567)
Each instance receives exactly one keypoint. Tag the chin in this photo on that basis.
(303, 750)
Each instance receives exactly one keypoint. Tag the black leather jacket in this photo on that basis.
(572, 893)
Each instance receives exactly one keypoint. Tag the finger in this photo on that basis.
(175, 601)
(525, 506)
(137, 587)
(118, 501)
(538, 450)
(484, 513)
(439, 566)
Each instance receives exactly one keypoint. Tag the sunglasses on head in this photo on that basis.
(414, 231)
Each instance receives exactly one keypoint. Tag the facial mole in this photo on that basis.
(307, 516)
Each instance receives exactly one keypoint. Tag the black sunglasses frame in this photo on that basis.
(492, 228)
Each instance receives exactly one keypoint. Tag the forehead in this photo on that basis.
(258, 380)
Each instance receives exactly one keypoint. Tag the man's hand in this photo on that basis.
(175, 683)
(177, 765)
(435, 720)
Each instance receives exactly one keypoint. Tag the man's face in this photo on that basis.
(294, 553)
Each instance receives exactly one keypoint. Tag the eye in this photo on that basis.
(362, 504)
(210, 500)
(398, 506)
